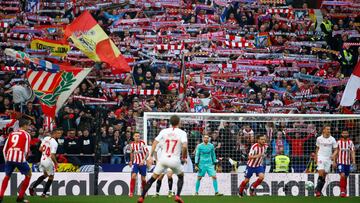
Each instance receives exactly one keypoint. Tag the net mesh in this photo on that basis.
(233, 134)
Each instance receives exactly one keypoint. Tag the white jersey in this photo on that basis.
(326, 146)
(48, 147)
(172, 140)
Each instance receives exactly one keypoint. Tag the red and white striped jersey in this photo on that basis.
(17, 146)
(345, 147)
(255, 150)
(140, 151)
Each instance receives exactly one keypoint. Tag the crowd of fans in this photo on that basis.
(240, 56)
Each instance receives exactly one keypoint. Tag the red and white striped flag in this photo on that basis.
(161, 47)
(4, 25)
(13, 68)
(143, 92)
(235, 38)
(182, 86)
(49, 124)
(238, 44)
(352, 90)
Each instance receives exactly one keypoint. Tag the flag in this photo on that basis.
(10, 123)
(51, 83)
(91, 39)
(352, 89)
(182, 88)
(56, 48)
(49, 124)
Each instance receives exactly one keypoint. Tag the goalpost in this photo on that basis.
(233, 134)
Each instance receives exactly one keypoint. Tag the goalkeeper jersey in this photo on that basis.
(205, 154)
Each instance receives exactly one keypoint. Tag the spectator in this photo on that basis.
(117, 149)
(280, 143)
(72, 147)
(297, 149)
(87, 145)
(311, 164)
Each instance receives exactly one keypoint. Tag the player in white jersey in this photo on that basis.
(48, 161)
(325, 156)
(168, 172)
(172, 156)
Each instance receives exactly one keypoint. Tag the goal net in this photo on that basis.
(233, 134)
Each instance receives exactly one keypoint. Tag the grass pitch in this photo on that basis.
(187, 199)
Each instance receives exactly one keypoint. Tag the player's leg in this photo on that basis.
(323, 169)
(36, 183)
(9, 168)
(201, 173)
(344, 171)
(248, 173)
(24, 168)
(180, 184)
(134, 172)
(158, 185)
(177, 169)
(197, 185)
(212, 173)
(253, 186)
(159, 168)
(143, 176)
(170, 182)
(47, 186)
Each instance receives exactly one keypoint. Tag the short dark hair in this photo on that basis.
(136, 132)
(259, 136)
(174, 120)
(23, 122)
(57, 129)
(71, 129)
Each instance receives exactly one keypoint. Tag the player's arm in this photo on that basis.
(53, 158)
(213, 155)
(353, 154)
(251, 154)
(131, 156)
(335, 149)
(184, 148)
(197, 157)
(153, 147)
(6, 148)
(316, 154)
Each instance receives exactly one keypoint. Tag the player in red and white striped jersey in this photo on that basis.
(15, 151)
(345, 153)
(255, 165)
(138, 156)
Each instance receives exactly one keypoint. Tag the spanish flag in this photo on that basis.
(91, 39)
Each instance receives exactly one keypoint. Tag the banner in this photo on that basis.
(56, 48)
(91, 39)
(71, 184)
(52, 83)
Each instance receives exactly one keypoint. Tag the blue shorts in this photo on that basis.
(24, 167)
(251, 170)
(342, 168)
(139, 169)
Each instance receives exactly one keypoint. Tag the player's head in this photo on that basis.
(326, 130)
(136, 136)
(174, 120)
(57, 132)
(24, 123)
(261, 139)
(206, 139)
(345, 134)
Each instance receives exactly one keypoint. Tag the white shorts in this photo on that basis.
(47, 166)
(164, 165)
(324, 164)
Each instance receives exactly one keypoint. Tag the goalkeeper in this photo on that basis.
(205, 162)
